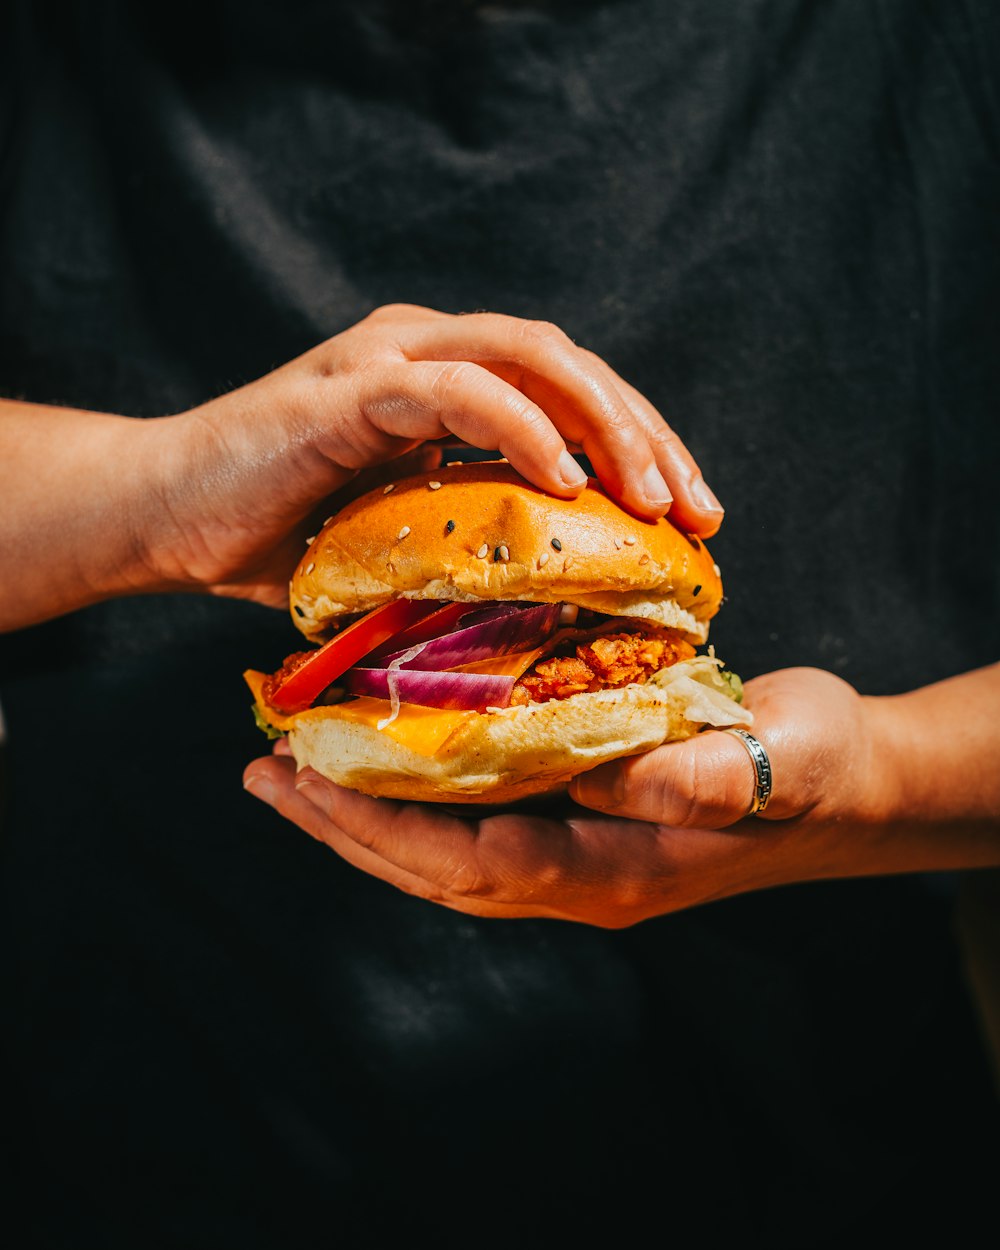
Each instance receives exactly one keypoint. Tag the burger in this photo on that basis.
(480, 641)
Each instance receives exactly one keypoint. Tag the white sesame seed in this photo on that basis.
(717, 570)
(452, 464)
(629, 540)
(434, 485)
(310, 540)
(644, 559)
(567, 563)
(495, 709)
(403, 532)
(543, 559)
(328, 520)
(481, 553)
(309, 568)
(618, 544)
(504, 551)
(386, 489)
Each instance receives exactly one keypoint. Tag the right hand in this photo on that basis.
(862, 786)
(243, 479)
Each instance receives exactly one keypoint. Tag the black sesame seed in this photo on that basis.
(697, 591)
(496, 554)
(557, 545)
(298, 611)
(449, 527)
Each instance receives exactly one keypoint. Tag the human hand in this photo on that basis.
(668, 831)
(242, 480)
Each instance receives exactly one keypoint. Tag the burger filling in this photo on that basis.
(604, 662)
(478, 657)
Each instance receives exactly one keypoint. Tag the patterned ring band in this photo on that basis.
(761, 768)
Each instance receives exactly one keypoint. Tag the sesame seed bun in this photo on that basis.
(481, 532)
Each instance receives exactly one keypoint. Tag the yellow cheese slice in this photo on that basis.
(421, 729)
(503, 665)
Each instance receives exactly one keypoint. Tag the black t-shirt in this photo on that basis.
(782, 222)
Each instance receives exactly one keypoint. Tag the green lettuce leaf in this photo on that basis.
(264, 725)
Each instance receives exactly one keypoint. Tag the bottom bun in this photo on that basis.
(514, 752)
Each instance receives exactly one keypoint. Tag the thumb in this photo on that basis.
(705, 782)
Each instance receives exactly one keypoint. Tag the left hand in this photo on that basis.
(669, 830)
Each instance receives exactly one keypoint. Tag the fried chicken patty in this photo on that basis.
(606, 662)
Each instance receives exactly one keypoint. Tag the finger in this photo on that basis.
(576, 395)
(500, 861)
(390, 314)
(425, 400)
(274, 782)
(509, 864)
(695, 507)
(416, 838)
(446, 868)
(706, 782)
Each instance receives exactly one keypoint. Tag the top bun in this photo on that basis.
(422, 537)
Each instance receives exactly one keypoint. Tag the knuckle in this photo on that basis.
(688, 786)
(645, 787)
(663, 786)
(462, 877)
(383, 399)
(527, 419)
(661, 435)
(618, 422)
(544, 332)
(453, 376)
(392, 312)
(708, 791)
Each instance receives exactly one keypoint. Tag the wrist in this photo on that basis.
(73, 484)
(889, 785)
(114, 533)
(940, 803)
(231, 484)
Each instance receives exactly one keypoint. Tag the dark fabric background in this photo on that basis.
(781, 221)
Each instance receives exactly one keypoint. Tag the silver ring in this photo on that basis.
(761, 768)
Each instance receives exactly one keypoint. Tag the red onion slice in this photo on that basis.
(460, 691)
(510, 628)
(443, 618)
(392, 675)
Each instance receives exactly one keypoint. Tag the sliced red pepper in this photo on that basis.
(436, 623)
(307, 681)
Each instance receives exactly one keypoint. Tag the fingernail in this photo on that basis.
(601, 788)
(570, 471)
(260, 787)
(655, 488)
(703, 497)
